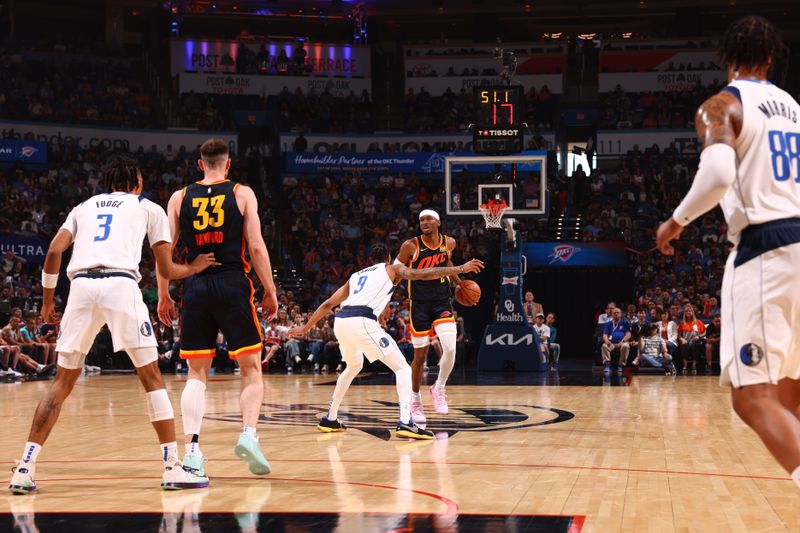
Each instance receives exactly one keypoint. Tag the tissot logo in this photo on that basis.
(508, 339)
(378, 418)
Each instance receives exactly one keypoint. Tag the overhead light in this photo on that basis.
(528, 7)
(642, 4)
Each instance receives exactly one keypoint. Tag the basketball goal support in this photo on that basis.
(501, 188)
(510, 342)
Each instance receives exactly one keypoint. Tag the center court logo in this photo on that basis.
(377, 418)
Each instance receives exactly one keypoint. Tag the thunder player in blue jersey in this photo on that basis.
(750, 166)
(220, 216)
(363, 298)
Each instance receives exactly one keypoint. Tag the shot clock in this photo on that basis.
(500, 113)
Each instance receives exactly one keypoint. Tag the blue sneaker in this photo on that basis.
(607, 368)
(247, 449)
(195, 464)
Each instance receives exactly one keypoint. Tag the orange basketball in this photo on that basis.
(468, 293)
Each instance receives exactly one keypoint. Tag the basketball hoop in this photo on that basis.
(492, 212)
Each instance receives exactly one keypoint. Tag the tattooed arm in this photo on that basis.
(718, 123)
(396, 271)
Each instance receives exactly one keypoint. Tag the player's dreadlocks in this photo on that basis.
(122, 174)
(378, 252)
(750, 42)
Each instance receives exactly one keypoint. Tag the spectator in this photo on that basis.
(653, 350)
(712, 342)
(554, 347)
(543, 332)
(616, 334)
(691, 334)
(531, 307)
(668, 331)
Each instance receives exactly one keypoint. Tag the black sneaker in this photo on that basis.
(330, 426)
(413, 431)
(47, 370)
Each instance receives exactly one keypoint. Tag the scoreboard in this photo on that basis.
(499, 118)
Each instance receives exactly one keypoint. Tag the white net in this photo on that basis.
(493, 213)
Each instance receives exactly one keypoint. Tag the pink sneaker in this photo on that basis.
(417, 414)
(439, 400)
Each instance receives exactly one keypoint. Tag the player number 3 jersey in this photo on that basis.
(109, 229)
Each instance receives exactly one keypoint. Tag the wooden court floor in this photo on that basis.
(660, 454)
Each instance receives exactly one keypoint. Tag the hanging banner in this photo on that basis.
(620, 142)
(403, 143)
(270, 85)
(112, 138)
(660, 81)
(663, 60)
(560, 254)
(423, 163)
(24, 151)
(32, 249)
(343, 60)
(437, 86)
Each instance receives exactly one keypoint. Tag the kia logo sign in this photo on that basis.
(508, 339)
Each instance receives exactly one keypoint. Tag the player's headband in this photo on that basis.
(429, 213)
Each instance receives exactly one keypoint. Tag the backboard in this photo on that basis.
(520, 180)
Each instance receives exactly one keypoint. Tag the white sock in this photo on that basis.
(343, 383)
(31, 452)
(250, 430)
(169, 453)
(402, 375)
(193, 406)
(193, 448)
(39, 366)
(796, 476)
(403, 383)
(416, 396)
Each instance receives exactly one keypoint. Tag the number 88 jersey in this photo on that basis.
(210, 221)
(767, 185)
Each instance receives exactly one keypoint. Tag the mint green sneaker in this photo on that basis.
(247, 449)
(195, 464)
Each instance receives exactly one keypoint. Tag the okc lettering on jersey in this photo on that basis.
(207, 237)
(432, 260)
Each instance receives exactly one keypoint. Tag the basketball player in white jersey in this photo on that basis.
(108, 231)
(750, 165)
(363, 298)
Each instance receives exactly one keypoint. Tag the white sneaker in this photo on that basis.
(94, 368)
(22, 481)
(417, 413)
(176, 478)
(15, 373)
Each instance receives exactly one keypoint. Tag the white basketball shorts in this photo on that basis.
(357, 335)
(94, 302)
(760, 341)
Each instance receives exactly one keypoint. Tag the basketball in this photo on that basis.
(468, 293)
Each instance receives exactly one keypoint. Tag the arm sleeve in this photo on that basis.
(70, 224)
(157, 223)
(715, 175)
